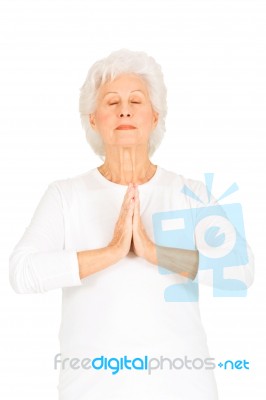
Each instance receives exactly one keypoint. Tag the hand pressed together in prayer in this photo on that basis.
(129, 233)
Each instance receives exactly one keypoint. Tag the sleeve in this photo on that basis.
(39, 261)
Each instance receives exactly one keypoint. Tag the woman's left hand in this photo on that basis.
(142, 246)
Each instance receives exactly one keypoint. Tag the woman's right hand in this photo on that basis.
(124, 226)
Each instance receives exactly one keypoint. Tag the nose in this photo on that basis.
(125, 115)
(125, 110)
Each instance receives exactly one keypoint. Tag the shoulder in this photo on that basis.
(189, 186)
(67, 187)
(174, 178)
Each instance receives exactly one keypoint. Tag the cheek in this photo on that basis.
(102, 118)
(148, 118)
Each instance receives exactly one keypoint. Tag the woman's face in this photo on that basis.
(124, 114)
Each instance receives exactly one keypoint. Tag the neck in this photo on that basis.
(126, 165)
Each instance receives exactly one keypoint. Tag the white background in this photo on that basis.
(213, 57)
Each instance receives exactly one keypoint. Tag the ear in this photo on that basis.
(92, 121)
(155, 119)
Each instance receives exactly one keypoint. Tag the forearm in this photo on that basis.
(39, 272)
(33, 271)
(91, 261)
(181, 261)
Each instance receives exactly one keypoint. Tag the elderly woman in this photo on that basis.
(130, 326)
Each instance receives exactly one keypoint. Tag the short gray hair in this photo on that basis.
(121, 62)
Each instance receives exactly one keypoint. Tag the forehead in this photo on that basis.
(124, 84)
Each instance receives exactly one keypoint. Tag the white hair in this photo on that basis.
(107, 69)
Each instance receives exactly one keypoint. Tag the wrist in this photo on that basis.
(151, 253)
(114, 252)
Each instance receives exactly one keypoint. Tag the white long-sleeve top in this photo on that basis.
(127, 309)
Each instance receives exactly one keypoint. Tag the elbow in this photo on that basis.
(15, 274)
(248, 270)
(20, 275)
(15, 284)
(246, 267)
(17, 289)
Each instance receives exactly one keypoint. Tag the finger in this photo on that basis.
(137, 203)
(131, 208)
(136, 217)
(131, 196)
(128, 208)
(128, 196)
(128, 193)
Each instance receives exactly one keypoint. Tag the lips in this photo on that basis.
(125, 127)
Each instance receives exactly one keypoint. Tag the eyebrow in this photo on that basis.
(137, 90)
